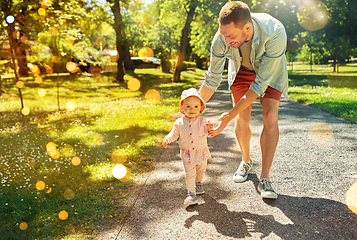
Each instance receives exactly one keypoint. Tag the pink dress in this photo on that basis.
(192, 134)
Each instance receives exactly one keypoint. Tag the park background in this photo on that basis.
(81, 124)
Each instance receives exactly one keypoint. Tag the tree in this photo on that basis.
(121, 41)
(184, 42)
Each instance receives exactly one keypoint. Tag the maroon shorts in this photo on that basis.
(242, 83)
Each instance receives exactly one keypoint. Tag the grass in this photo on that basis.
(335, 93)
(109, 125)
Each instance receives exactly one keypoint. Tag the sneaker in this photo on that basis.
(191, 199)
(266, 190)
(199, 189)
(242, 173)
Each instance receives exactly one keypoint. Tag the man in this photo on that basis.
(255, 45)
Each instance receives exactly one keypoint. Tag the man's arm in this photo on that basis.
(206, 93)
(225, 118)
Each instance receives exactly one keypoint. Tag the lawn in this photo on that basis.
(335, 93)
(57, 171)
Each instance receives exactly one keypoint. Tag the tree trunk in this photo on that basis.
(121, 43)
(184, 42)
(20, 54)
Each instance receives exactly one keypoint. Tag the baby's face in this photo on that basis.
(191, 107)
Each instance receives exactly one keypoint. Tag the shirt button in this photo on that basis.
(191, 141)
(189, 125)
(190, 133)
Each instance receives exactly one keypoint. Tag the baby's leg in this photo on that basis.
(200, 171)
(190, 170)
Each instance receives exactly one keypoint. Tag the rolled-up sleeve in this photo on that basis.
(213, 76)
(272, 62)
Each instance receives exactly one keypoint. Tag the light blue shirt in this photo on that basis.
(267, 57)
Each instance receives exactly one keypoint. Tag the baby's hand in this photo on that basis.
(209, 125)
(176, 115)
(165, 142)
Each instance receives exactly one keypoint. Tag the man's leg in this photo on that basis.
(270, 134)
(243, 132)
(243, 135)
(268, 143)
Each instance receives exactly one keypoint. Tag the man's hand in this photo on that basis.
(224, 120)
(176, 115)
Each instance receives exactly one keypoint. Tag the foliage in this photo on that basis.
(318, 89)
(106, 117)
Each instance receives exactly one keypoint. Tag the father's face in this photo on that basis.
(233, 35)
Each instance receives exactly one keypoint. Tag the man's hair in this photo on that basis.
(235, 11)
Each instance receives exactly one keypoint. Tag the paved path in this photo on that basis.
(310, 178)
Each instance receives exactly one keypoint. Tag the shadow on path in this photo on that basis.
(311, 218)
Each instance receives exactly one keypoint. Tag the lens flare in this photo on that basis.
(320, 133)
(119, 171)
(146, 52)
(68, 194)
(41, 11)
(72, 67)
(51, 146)
(23, 226)
(42, 92)
(134, 84)
(63, 215)
(76, 161)
(25, 111)
(119, 156)
(49, 190)
(20, 84)
(49, 70)
(40, 185)
(10, 19)
(351, 198)
(152, 96)
(70, 106)
(313, 15)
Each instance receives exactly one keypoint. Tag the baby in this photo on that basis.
(192, 131)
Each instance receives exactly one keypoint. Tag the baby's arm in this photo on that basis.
(172, 136)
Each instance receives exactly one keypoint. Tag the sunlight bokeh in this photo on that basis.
(40, 185)
(313, 15)
(152, 96)
(146, 52)
(23, 226)
(134, 84)
(69, 194)
(42, 92)
(71, 67)
(70, 106)
(63, 215)
(76, 161)
(20, 84)
(42, 11)
(320, 133)
(351, 198)
(10, 19)
(119, 171)
(25, 111)
(38, 79)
